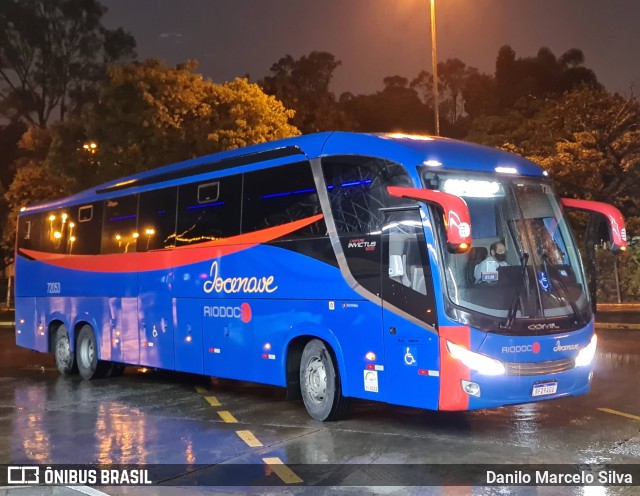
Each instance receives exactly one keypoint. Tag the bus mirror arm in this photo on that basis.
(456, 214)
(615, 221)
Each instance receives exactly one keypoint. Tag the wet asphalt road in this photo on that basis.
(157, 417)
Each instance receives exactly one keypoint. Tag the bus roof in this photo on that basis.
(410, 150)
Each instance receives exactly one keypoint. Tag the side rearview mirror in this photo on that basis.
(456, 214)
(615, 221)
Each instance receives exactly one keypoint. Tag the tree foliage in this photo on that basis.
(397, 108)
(53, 54)
(303, 85)
(34, 182)
(150, 114)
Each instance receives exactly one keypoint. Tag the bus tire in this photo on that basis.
(65, 357)
(87, 355)
(320, 383)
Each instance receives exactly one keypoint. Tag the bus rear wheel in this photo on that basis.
(320, 383)
(65, 357)
(87, 355)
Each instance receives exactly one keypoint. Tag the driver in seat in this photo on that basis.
(487, 270)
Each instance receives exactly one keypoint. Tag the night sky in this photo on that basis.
(378, 38)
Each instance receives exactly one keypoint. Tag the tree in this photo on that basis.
(397, 108)
(596, 154)
(34, 182)
(542, 76)
(303, 85)
(589, 141)
(150, 114)
(51, 52)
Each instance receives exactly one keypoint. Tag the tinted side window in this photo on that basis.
(119, 234)
(358, 189)
(281, 195)
(209, 210)
(157, 219)
(30, 229)
(87, 227)
(59, 231)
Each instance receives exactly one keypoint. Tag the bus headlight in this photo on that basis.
(586, 354)
(476, 361)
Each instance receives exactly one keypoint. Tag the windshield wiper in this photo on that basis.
(565, 292)
(515, 303)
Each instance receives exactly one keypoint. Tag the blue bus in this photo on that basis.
(412, 270)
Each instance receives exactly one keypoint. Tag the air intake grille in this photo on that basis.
(540, 368)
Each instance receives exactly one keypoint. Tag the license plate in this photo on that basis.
(544, 388)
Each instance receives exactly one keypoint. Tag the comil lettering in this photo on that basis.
(232, 285)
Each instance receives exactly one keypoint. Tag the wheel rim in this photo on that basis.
(87, 353)
(316, 380)
(63, 350)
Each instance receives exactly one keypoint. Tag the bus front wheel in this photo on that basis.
(65, 357)
(87, 355)
(320, 383)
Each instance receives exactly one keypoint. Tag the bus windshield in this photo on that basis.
(523, 262)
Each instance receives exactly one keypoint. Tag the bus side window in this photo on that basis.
(86, 233)
(119, 234)
(405, 263)
(157, 219)
(29, 232)
(358, 190)
(279, 196)
(208, 210)
(406, 276)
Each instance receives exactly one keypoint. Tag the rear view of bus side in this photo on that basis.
(336, 265)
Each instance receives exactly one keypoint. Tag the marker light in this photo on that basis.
(472, 188)
(475, 361)
(371, 356)
(586, 354)
(506, 170)
(432, 163)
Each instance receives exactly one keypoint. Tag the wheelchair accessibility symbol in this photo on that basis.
(410, 356)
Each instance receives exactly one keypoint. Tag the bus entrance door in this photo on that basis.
(411, 350)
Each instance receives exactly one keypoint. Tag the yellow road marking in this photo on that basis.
(622, 414)
(201, 390)
(249, 438)
(212, 400)
(281, 470)
(227, 417)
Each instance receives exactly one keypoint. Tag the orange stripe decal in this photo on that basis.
(169, 257)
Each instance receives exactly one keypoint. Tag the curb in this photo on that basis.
(608, 326)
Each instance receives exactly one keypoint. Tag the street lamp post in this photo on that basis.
(434, 62)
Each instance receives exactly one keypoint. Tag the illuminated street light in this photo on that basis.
(434, 62)
(91, 147)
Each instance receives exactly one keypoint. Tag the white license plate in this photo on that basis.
(544, 388)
